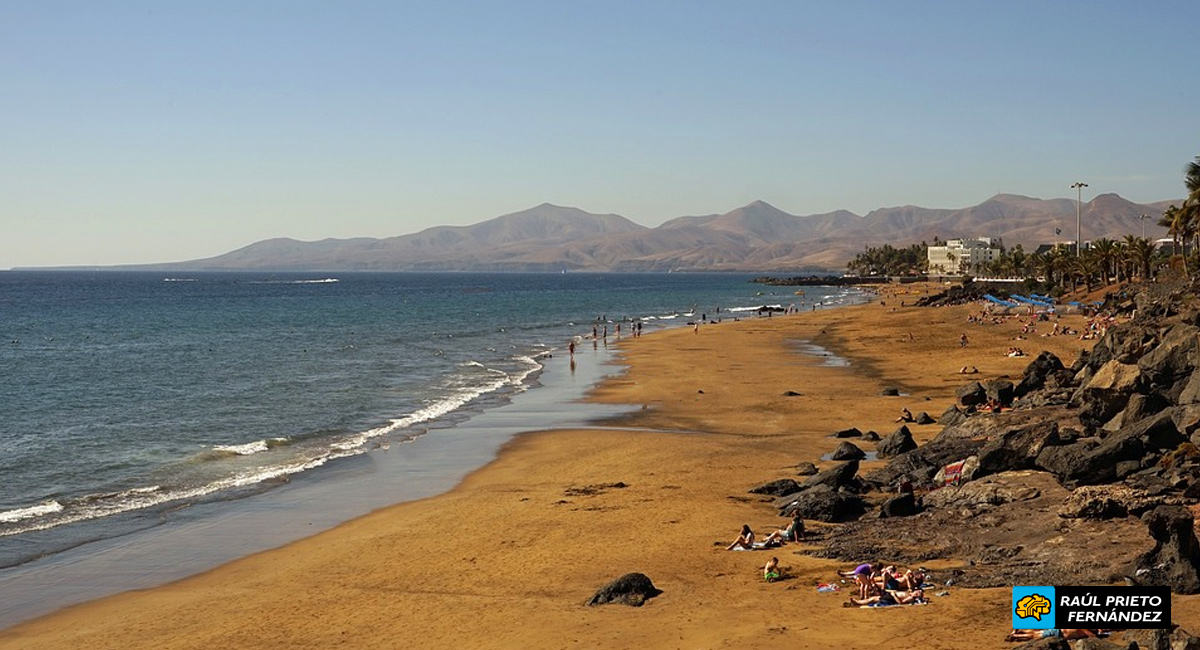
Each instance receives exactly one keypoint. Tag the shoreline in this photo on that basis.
(557, 514)
(201, 537)
(192, 539)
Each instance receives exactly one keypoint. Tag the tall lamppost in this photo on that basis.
(1144, 217)
(1078, 185)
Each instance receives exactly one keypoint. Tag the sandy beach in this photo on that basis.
(508, 558)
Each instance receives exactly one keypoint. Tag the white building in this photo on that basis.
(962, 255)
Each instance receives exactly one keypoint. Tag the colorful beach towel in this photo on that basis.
(953, 472)
(827, 587)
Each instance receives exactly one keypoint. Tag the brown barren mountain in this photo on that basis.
(755, 237)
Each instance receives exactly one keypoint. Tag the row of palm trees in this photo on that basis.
(1106, 261)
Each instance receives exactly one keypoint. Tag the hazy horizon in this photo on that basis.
(139, 133)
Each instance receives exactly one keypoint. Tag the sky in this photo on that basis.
(142, 132)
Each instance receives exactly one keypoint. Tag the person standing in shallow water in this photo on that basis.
(571, 348)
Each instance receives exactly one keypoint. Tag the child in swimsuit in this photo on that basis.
(771, 571)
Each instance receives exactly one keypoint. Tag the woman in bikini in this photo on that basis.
(745, 540)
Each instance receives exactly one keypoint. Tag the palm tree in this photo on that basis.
(1140, 253)
(1106, 254)
(1167, 220)
(1085, 267)
(1175, 220)
(1190, 210)
(1191, 178)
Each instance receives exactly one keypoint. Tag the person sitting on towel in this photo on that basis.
(745, 540)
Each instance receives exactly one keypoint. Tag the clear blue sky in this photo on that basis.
(153, 131)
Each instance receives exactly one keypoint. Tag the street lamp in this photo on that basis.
(1144, 217)
(1078, 185)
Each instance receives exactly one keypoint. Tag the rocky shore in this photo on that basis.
(1086, 474)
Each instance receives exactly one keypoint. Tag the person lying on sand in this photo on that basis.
(1066, 633)
(889, 597)
(745, 540)
(891, 579)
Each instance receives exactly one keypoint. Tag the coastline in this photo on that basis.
(204, 536)
(508, 556)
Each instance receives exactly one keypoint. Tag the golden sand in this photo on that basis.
(508, 558)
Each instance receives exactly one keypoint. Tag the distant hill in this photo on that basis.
(754, 237)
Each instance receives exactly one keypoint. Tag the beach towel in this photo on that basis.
(953, 472)
(826, 587)
(758, 546)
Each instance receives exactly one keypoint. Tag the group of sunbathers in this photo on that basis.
(793, 533)
(885, 585)
(1034, 635)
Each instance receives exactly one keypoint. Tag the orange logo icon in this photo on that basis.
(1033, 606)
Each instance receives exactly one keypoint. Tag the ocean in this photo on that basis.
(135, 401)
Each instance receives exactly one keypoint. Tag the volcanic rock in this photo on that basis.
(897, 443)
(632, 589)
(847, 451)
(1175, 559)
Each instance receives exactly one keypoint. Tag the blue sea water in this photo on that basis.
(126, 396)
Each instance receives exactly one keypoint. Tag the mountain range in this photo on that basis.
(754, 237)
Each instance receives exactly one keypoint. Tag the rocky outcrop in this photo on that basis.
(1037, 372)
(1017, 448)
(1029, 493)
(1160, 639)
(1111, 501)
(1175, 560)
(901, 505)
(1106, 392)
(990, 491)
(825, 504)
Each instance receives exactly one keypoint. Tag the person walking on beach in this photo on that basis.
(571, 348)
(962, 340)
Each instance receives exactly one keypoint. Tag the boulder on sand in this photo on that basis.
(806, 469)
(847, 451)
(973, 394)
(632, 589)
(836, 477)
(897, 443)
(777, 488)
(824, 504)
